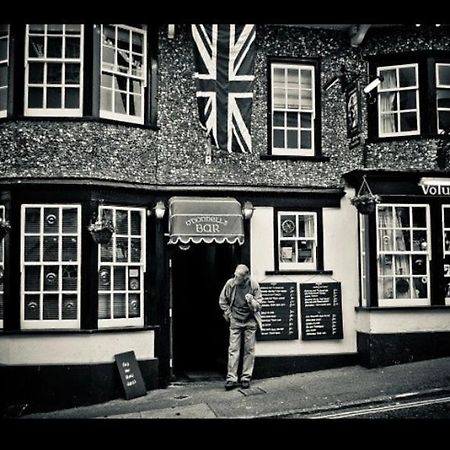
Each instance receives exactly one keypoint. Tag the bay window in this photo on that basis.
(443, 97)
(50, 257)
(121, 269)
(123, 72)
(403, 254)
(4, 63)
(53, 70)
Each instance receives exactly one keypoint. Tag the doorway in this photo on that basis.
(199, 332)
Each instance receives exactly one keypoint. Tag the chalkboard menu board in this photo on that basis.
(321, 311)
(279, 311)
(130, 374)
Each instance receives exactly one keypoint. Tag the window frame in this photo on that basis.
(397, 91)
(404, 302)
(54, 112)
(124, 322)
(108, 114)
(4, 112)
(439, 86)
(445, 253)
(313, 65)
(300, 266)
(41, 323)
(2, 267)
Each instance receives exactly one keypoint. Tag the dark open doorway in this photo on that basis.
(199, 332)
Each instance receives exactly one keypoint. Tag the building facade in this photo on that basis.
(102, 121)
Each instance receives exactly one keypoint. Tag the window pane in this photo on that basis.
(50, 248)
(32, 278)
(389, 79)
(292, 139)
(69, 249)
(106, 100)
(133, 279)
(402, 217)
(54, 28)
(32, 248)
(54, 98)
(307, 100)
(51, 220)
(287, 251)
(305, 251)
(32, 220)
(106, 252)
(135, 105)
(292, 119)
(69, 278)
(306, 226)
(36, 47)
(421, 287)
(444, 120)
(104, 278)
(73, 29)
(288, 226)
(293, 99)
(119, 306)
(36, 73)
(419, 265)
(3, 99)
(402, 288)
(37, 28)
(121, 221)
(278, 119)
(407, 76)
(408, 121)
(419, 217)
(386, 241)
(402, 240)
(72, 98)
(72, 47)
(32, 309)
(119, 278)
(306, 79)
(135, 223)
(278, 138)
(72, 73)
(306, 120)
(408, 100)
(50, 307)
(385, 265)
(3, 49)
(107, 80)
(388, 102)
(305, 142)
(54, 47)
(389, 123)
(54, 73)
(134, 305)
(69, 220)
(35, 97)
(402, 266)
(292, 79)
(69, 307)
(135, 250)
(108, 61)
(420, 241)
(279, 100)
(120, 103)
(444, 75)
(104, 306)
(447, 217)
(1, 306)
(51, 282)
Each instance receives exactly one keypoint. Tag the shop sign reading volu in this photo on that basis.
(195, 220)
(435, 187)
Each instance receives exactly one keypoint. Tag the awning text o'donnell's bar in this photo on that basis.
(205, 219)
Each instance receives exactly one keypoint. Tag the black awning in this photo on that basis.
(195, 220)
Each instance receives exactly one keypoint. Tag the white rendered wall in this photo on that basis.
(340, 243)
(59, 349)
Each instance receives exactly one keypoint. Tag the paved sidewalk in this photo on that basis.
(276, 397)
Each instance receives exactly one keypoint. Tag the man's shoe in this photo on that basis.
(245, 384)
(230, 385)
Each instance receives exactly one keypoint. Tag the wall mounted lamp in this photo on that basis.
(247, 210)
(159, 209)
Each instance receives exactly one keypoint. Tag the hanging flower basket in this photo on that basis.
(101, 231)
(365, 202)
(4, 228)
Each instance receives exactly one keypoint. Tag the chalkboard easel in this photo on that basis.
(130, 374)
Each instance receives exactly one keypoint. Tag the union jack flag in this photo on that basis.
(225, 61)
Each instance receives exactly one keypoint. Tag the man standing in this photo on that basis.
(241, 301)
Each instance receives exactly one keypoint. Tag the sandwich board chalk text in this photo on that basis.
(131, 375)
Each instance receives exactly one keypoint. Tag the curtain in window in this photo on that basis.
(387, 103)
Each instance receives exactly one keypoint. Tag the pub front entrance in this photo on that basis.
(199, 332)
